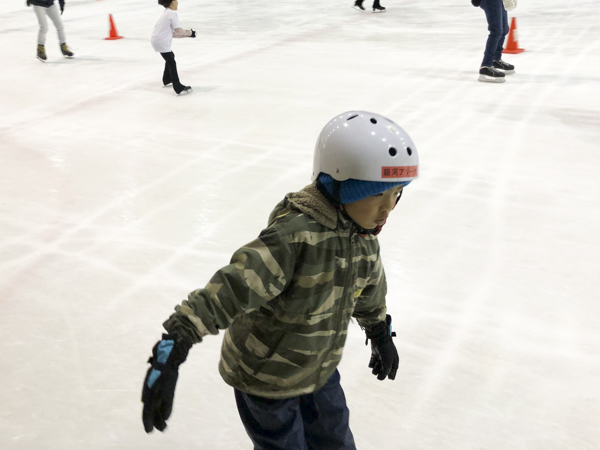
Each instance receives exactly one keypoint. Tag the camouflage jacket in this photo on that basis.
(286, 299)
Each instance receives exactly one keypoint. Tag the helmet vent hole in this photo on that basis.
(351, 117)
(393, 151)
(373, 120)
(409, 151)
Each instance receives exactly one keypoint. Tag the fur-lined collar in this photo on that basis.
(314, 204)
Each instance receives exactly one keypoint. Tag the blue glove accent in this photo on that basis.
(163, 352)
(153, 377)
(388, 320)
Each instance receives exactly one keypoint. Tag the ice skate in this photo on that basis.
(377, 8)
(505, 67)
(358, 5)
(185, 90)
(41, 53)
(491, 75)
(65, 50)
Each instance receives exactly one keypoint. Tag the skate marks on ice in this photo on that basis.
(76, 59)
(204, 88)
(579, 118)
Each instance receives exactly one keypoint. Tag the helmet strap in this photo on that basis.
(399, 196)
(360, 230)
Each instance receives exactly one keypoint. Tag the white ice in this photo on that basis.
(117, 198)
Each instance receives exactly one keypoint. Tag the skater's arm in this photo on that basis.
(178, 32)
(258, 272)
(370, 307)
(181, 33)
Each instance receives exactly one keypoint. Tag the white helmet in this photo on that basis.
(365, 146)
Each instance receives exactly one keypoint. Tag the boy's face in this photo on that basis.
(174, 5)
(372, 212)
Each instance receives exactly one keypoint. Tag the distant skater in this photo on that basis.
(165, 30)
(493, 69)
(48, 8)
(377, 8)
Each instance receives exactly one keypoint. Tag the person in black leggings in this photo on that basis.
(165, 30)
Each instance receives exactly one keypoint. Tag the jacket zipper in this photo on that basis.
(350, 283)
(341, 307)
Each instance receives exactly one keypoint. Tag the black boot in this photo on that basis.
(184, 90)
(377, 8)
(505, 67)
(358, 5)
(491, 75)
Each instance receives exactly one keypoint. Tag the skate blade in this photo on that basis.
(507, 72)
(42, 60)
(68, 57)
(377, 11)
(189, 91)
(358, 9)
(487, 79)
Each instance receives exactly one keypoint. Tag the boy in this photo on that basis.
(287, 298)
(165, 30)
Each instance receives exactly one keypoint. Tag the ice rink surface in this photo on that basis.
(117, 198)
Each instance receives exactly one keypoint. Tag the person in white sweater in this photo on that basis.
(165, 30)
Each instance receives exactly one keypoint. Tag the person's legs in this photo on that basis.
(172, 66)
(326, 417)
(271, 424)
(166, 75)
(505, 30)
(40, 12)
(493, 13)
(54, 14)
(377, 8)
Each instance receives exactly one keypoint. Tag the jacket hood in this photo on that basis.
(314, 204)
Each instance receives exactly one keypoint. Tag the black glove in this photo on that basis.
(28, 2)
(62, 7)
(160, 381)
(384, 356)
(193, 34)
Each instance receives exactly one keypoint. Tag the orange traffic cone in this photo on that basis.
(512, 46)
(113, 30)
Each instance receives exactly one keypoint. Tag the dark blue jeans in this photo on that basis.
(314, 421)
(497, 19)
